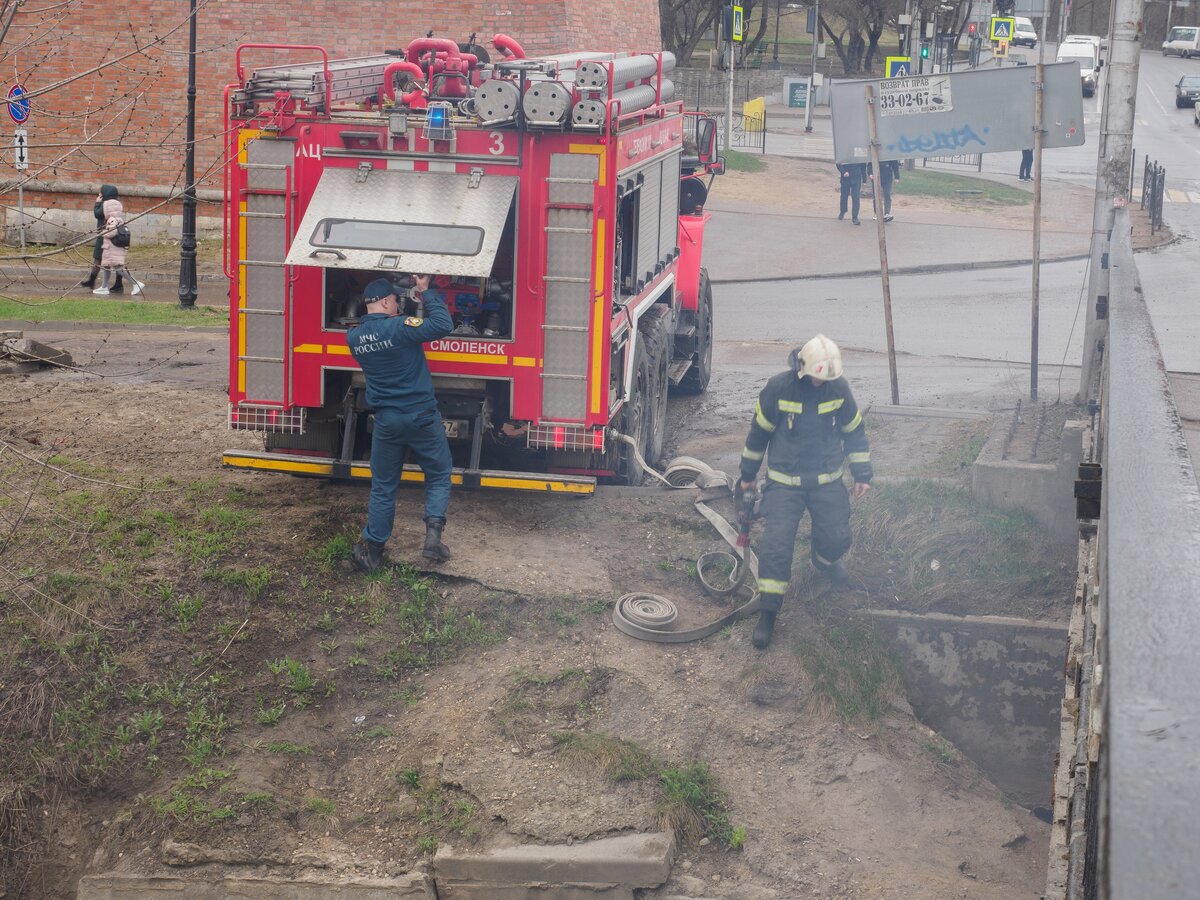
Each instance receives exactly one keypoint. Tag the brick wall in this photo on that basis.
(126, 124)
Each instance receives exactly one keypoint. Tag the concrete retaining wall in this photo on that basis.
(606, 869)
(1047, 491)
(197, 887)
(990, 685)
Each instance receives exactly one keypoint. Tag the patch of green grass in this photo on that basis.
(915, 522)
(618, 759)
(693, 806)
(427, 843)
(409, 777)
(215, 534)
(258, 799)
(737, 161)
(445, 810)
(689, 802)
(321, 807)
(961, 452)
(300, 679)
(853, 674)
(946, 186)
(185, 610)
(337, 548)
(252, 581)
(270, 715)
(134, 311)
(379, 731)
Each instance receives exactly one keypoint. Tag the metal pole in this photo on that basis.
(729, 100)
(775, 52)
(187, 244)
(1063, 13)
(877, 202)
(1038, 95)
(21, 208)
(1170, 10)
(1114, 151)
(812, 75)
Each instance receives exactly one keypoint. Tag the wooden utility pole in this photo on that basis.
(1039, 94)
(877, 202)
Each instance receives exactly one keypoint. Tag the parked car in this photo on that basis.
(1184, 40)
(1187, 91)
(1024, 34)
(1087, 55)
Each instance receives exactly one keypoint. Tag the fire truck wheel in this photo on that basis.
(695, 380)
(633, 418)
(655, 328)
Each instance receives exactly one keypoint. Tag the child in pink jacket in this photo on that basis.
(112, 258)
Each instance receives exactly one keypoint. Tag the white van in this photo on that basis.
(1087, 54)
(1184, 40)
(1024, 34)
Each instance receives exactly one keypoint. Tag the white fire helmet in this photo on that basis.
(820, 358)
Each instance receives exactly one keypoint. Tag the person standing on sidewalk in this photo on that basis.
(1026, 166)
(388, 348)
(852, 179)
(889, 171)
(806, 418)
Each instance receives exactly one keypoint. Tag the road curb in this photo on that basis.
(931, 269)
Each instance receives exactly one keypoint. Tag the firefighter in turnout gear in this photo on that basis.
(808, 426)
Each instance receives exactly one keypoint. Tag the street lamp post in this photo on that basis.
(187, 244)
(775, 53)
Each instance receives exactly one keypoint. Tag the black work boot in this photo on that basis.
(368, 556)
(434, 548)
(764, 629)
(118, 285)
(90, 281)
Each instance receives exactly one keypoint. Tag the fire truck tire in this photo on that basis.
(634, 417)
(695, 380)
(655, 328)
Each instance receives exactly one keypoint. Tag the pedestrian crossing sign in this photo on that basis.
(1002, 29)
(898, 67)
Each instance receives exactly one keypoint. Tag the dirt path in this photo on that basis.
(831, 807)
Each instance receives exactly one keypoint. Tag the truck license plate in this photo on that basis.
(456, 428)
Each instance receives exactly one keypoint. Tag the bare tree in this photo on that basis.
(684, 23)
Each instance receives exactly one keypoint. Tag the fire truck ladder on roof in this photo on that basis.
(350, 80)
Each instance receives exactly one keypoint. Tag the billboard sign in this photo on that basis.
(977, 111)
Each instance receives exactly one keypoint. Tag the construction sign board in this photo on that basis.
(898, 67)
(954, 113)
(1003, 28)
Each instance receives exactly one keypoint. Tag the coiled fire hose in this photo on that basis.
(650, 617)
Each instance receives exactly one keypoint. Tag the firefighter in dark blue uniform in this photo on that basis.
(387, 346)
(807, 421)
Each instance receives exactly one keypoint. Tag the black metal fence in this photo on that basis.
(747, 133)
(1154, 186)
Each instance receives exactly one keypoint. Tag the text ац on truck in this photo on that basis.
(558, 203)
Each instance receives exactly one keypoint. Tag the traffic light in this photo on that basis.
(924, 50)
(1004, 7)
(971, 29)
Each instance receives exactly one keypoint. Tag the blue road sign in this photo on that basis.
(18, 104)
(898, 67)
(1002, 29)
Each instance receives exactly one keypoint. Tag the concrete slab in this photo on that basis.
(448, 889)
(121, 886)
(634, 860)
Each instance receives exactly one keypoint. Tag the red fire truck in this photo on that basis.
(558, 203)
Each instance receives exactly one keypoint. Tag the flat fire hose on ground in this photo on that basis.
(648, 617)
